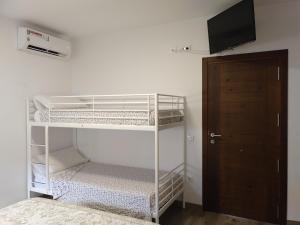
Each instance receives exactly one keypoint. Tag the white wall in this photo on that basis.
(140, 61)
(22, 75)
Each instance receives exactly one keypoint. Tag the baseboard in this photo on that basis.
(289, 222)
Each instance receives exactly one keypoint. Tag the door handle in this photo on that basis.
(215, 135)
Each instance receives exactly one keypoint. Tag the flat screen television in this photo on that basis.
(232, 27)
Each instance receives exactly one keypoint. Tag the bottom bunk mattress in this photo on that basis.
(119, 189)
(40, 211)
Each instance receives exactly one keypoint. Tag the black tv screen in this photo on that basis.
(233, 27)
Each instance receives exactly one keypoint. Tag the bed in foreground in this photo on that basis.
(39, 211)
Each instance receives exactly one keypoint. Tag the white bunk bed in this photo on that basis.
(141, 112)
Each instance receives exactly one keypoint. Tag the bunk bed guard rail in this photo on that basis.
(126, 109)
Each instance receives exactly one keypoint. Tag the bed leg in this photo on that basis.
(157, 219)
(183, 201)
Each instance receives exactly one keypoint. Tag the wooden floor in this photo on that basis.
(192, 215)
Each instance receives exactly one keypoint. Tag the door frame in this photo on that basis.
(282, 57)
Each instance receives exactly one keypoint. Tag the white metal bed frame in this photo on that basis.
(144, 102)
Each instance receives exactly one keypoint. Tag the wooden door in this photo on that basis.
(244, 135)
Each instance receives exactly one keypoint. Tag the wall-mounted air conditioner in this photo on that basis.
(34, 41)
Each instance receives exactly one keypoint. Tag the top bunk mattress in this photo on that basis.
(107, 117)
(116, 111)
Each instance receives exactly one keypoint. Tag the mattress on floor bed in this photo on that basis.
(105, 117)
(119, 189)
(40, 211)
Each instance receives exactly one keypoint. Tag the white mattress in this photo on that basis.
(105, 117)
(119, 189)
(40, 211)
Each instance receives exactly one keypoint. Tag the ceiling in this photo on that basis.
(77, 18)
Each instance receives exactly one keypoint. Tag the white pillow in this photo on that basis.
(41, 100)
(39, 173)
(61, 159)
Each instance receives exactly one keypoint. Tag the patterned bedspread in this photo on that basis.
(40, 211)
(137, 118)
(119, 189)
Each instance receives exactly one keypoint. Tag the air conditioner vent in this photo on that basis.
(34, 48)
(53, 52)
(37, 48)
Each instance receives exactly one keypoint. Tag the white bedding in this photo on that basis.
(119, 189)
(40, 211)
(105, 117)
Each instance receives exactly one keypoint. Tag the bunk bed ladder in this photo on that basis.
(28, 152)
(30, 146)
(29, 172)
(156, 160)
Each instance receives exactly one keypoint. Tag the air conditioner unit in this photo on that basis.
(34, 41)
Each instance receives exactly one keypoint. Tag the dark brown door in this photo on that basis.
(244, 117)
